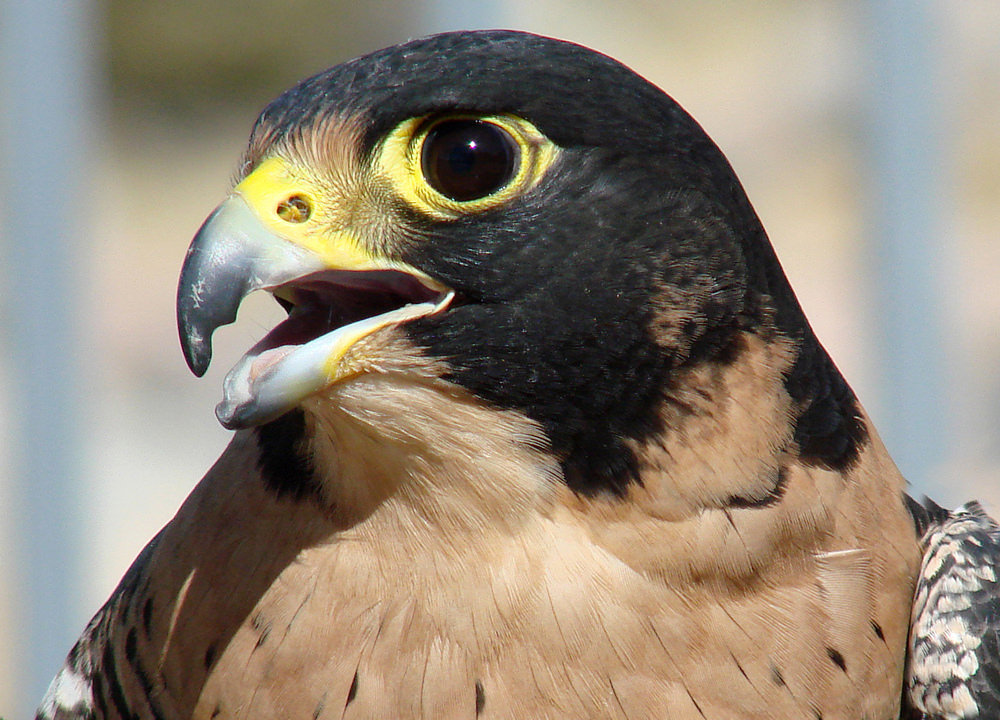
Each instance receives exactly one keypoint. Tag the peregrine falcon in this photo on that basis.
(545, 434)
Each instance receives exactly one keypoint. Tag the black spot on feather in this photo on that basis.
(777, 677)
(480, 698)
(320, 706)
(771, 498)
(130, 645)
(353, 691)
(837, 658)
(147, 616)
(209, 658)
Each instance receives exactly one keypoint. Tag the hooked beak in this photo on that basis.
(231, 256)
(335, 294)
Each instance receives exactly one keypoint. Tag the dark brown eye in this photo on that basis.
(465, 159)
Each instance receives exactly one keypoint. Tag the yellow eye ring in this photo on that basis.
(450, 165)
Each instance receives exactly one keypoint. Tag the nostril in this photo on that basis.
(295, 209)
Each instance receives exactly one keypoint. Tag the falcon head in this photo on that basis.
(516, 220)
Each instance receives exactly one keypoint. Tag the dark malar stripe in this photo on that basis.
(285, 469)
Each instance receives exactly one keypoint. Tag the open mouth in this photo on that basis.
(326, 301)
(328, 312)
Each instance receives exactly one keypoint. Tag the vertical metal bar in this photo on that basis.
(906, 182)
(47, 83)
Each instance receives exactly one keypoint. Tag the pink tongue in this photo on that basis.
(268, 359)
(297, 329)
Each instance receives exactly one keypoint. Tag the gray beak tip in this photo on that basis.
(198, 357)
(195, 331)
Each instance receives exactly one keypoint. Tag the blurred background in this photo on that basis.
(866, 134)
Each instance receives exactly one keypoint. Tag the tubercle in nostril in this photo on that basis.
(295, 209)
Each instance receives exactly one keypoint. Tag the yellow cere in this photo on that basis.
(398, 159)
(290, 206)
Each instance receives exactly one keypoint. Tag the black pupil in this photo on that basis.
(468, 159)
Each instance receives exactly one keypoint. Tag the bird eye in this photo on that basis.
(468, 159)
(457, 164)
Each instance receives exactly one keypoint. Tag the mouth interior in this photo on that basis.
(320, 303)
(327, 312)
